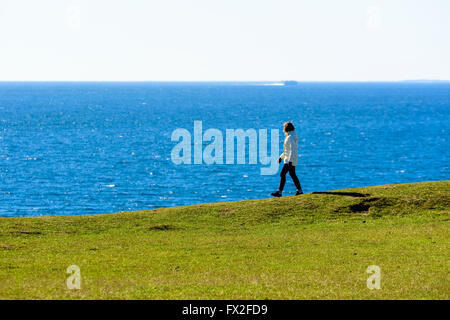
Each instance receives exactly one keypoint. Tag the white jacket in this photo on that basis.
(290, 148)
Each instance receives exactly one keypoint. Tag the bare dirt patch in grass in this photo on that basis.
(226, 212)
(5, 246)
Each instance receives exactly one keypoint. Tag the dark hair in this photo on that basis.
(288, 126)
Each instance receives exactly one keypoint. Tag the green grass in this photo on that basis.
(315, 246)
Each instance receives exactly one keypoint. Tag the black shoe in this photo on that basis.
(298, 193)
(276, 194)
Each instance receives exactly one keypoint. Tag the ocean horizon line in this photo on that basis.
(228, 81)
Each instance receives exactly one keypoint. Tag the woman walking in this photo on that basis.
(290, 159)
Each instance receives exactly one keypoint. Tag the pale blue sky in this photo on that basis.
(196, 40)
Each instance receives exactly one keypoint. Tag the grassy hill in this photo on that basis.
(314, 246)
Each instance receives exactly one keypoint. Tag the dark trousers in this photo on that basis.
(291, 169)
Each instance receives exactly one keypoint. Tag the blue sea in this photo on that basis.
(90, 148)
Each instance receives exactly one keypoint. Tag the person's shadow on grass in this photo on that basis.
(350, 194)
